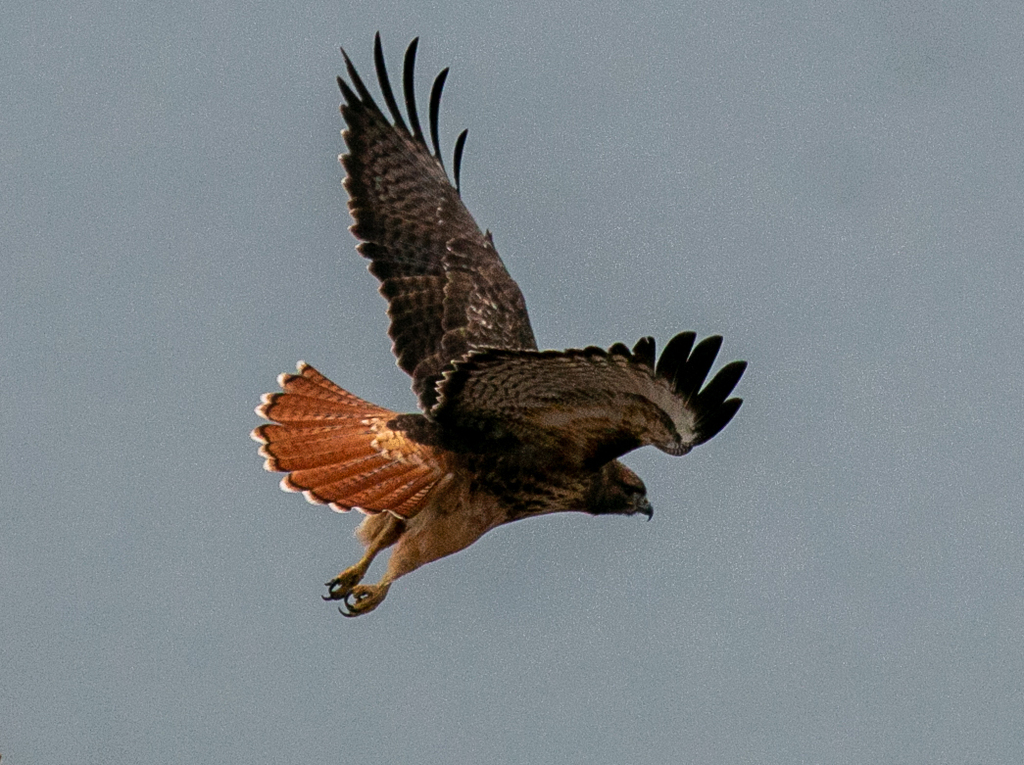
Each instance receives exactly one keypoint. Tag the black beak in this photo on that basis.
(643, 507)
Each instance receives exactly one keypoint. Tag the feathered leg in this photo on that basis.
(357, 598)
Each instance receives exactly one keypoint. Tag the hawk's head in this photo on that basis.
(617, 490)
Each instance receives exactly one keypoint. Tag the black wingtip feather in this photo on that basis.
(435, 107)
(691, 377)
(460, 144)
(357, 83)
(685, 367)
(619, 349)
(409, 88)
(721, 385)
(357, 95)
(346, 92)
(385, 84)
(712, 424)
(674, 355)
(644, 351)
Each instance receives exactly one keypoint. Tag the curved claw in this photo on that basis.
(340, 587)
(362, 599)
(346, 608)
(335, 591)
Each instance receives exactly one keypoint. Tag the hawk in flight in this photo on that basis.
(504, 431)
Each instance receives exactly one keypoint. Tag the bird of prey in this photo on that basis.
(505, 431)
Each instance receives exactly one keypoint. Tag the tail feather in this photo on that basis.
(383, 486)
(352, 456)
(288, 435)
(408, 496)
(338, 449)
(319, 451)
(297, 408)
(316, 384)
(348, 478)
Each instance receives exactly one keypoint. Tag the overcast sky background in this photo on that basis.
(838, 577)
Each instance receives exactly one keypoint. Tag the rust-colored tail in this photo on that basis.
(338, 449)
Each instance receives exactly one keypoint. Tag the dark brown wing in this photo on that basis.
(447, 290)
(592, 405)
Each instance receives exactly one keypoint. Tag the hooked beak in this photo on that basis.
(643, 507)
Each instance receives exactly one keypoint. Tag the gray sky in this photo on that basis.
(836, 578)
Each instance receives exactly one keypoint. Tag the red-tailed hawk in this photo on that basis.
(504, 431)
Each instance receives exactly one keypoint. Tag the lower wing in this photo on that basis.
(596, 403)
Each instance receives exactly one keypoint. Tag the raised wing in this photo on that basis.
(595, 403)
(447, 290)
